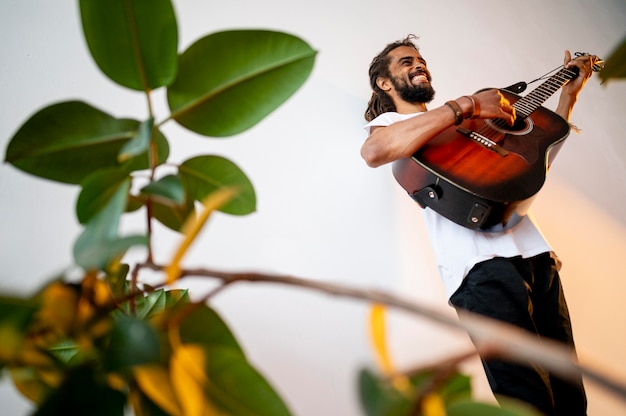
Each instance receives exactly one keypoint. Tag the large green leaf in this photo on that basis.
(615, 66)
(134, 42)
(229, 81)
(68, 141)
(205, 327)
(202, 175)
(235, 387)
(96, 192)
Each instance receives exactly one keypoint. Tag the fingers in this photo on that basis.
(507, 109)
(568, 58)
(584, 62)
(495, 105)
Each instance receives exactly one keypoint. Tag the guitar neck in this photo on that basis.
(525, 106)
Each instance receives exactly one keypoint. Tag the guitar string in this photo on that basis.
(528, 104)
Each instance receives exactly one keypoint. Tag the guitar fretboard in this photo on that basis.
(525, 106)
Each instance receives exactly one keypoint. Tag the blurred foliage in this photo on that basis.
(615, 64)
(109, 342)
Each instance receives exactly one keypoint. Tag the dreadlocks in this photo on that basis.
(380, 101)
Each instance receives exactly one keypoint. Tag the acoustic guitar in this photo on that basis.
(484, 173)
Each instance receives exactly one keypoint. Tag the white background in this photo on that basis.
(322, 214)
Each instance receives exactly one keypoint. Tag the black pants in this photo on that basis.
(526, 293)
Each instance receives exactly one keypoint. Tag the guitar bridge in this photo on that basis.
(483, 141)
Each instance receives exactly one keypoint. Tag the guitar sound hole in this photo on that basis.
(520, 127)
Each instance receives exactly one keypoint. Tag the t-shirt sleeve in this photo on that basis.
(387, 119)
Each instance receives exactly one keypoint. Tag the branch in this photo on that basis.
(492, 338)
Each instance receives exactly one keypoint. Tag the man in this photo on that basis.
(508, 275)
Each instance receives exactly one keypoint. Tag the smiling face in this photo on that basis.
(410, 78)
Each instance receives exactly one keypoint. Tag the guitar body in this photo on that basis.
(484, 174)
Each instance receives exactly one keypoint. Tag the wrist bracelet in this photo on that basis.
(458, 113)
(475, 107)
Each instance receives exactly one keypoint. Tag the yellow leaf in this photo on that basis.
(189, 381)
(154, 382)
(433, 405)
(378, 333)
(58, 307)
(193, 226)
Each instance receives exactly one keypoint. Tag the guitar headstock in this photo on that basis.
(597, 66)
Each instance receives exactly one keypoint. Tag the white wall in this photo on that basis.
(322, 213)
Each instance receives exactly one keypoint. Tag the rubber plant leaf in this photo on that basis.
(380, 398)
(224, 381)
(170, 204)
(134, 42)
(138, 144)
(68, 141)
(205, 327)
(99, 244)
(229, 81)
(202, 175)
(169, 187)
(97, 191)
(237, 387)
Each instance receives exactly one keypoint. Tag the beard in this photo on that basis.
(422, 93)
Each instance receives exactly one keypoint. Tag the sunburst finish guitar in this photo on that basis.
(484, 174)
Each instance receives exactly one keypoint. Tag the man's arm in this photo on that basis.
(570, 91)
(402, 139)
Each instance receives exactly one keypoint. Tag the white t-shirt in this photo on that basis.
(457, 249)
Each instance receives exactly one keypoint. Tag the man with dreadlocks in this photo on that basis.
(509, 275)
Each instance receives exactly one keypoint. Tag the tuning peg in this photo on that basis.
(597, 66)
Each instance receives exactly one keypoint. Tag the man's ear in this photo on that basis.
(383, 83)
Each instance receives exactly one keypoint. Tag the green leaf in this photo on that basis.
(205, 327)
(172, 215)
(134, 42)
(132, 342)
(170, 204)
(66, 351)
(152, 304)
(168, 187)
(176, 298)
(99, 244)
(139, 144)
(68, 141)
(229, 81)
(380, 398)
(158, 145)
(98, 189)
(202, 175)
(235, 387)
(615, 64)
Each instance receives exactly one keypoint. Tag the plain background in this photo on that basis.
(322, 214)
